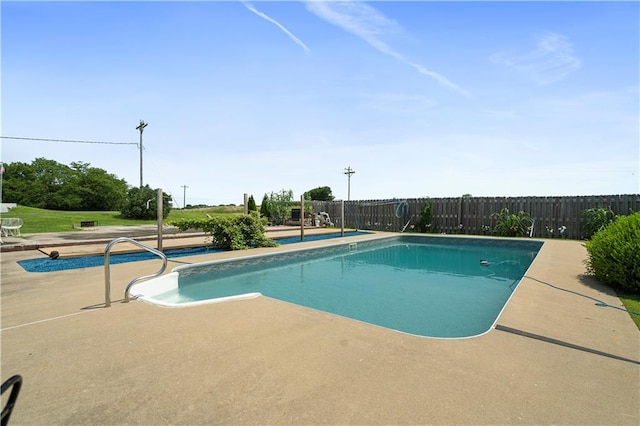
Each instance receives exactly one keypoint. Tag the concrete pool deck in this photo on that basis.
(554, 357)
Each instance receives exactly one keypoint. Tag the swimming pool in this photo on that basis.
(424, 285)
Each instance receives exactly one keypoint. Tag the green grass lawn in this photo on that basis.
(41, 221)
(632, 303)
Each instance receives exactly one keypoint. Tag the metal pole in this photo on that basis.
(349, 171)
(160, 212)
(184, 196)
(141, 127)
(342, 218)
(302, 218)
(246, 203)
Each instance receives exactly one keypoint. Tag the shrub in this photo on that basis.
(593, 220)
(231, 233)
(614, 254)
(425, 218)
(280, 204)
(251, 204)
(512, 225)
(265, 211)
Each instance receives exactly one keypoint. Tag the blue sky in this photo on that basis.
(421, 99)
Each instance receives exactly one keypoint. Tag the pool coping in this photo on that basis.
(261, 361)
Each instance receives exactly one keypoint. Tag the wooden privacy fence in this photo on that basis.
(473, 215)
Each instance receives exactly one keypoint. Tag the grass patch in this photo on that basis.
(632, 303)
(42, 221)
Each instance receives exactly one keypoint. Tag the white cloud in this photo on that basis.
(279, 25)
(552, 59)
(362, 20)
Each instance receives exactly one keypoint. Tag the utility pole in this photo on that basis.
(349, 171)
(184, 196)
(141, 128)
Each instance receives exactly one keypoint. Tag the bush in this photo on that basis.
(280, 204)
(142, 203)
(614, 254)
(594, 220)
(425, 218)
(265, 211)
(512, 225)
(251, 204)
(231, 233)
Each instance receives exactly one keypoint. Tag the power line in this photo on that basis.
(67, 140)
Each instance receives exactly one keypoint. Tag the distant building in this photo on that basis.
(5, 207)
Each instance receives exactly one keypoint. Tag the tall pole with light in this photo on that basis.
(141, 127)
(349, 171)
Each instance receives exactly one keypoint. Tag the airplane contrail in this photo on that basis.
(278, 24)
(366, 22)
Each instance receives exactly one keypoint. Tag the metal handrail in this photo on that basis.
(107, 269)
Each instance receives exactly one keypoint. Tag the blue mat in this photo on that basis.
(52, 265)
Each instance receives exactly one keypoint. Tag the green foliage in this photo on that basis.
(425, 218)
(512, 225)
(614, 254)
(141, 203)
(265, 211)
(50, 185)
(251, 204)
(280, 204)
(308, 204)
(594, 220)
(321, 193)
(231, 233)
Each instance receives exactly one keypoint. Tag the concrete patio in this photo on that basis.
(555, 357)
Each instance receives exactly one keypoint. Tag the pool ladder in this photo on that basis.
(107, 269)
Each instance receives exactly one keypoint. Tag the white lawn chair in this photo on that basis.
(11, 226)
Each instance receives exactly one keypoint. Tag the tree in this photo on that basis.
(265, 212)
(321, 193)
(251, 204)
(48, 184)
(20, 185)
(142, 203)
(98, 189)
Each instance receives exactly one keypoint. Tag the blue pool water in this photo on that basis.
(427, 286)
(60, 264)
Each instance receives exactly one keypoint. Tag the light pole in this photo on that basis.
(184, 196)
(349, 171)
(141, 127)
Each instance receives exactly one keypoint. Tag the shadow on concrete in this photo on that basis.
(563, 343)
